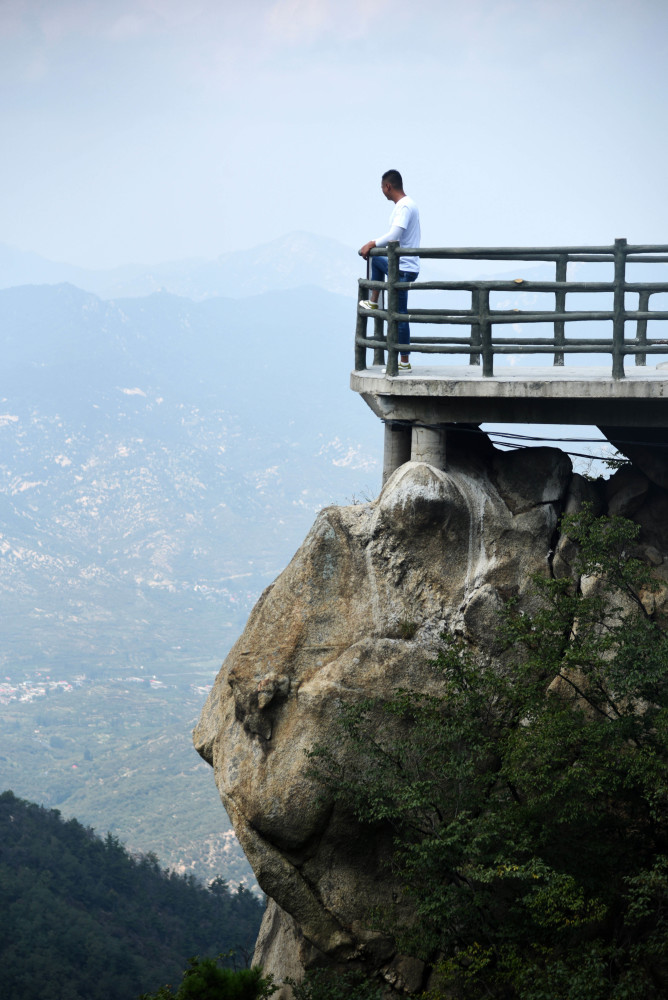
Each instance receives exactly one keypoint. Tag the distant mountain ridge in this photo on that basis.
(292, 261)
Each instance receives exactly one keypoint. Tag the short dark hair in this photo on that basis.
(393, 177)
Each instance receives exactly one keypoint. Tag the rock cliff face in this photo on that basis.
(358, 612)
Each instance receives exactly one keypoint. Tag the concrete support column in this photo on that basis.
(397, 448)
(428, 445)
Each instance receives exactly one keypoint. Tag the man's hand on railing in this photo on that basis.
(364, 251)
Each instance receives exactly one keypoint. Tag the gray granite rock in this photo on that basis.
(357, 613)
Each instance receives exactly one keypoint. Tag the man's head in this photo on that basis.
(392, 184)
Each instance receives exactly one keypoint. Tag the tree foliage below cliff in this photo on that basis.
(204, 979)
(82, 920)
(529, 800)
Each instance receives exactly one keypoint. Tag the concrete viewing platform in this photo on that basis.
(496, 326)
(450, 394)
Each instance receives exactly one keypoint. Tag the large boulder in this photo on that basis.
(357, 613)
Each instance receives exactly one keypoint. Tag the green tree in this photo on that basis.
(205, 979)
(529, 799)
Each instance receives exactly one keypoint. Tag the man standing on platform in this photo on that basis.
(404, 227)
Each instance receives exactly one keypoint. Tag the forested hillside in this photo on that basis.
(80, 919)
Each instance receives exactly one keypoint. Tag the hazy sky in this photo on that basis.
(148, 130)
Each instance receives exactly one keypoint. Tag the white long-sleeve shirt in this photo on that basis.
(405, 227)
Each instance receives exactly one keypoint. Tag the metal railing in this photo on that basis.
(481, 343)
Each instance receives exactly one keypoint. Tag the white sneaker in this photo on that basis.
(404, 366)
(368, 304)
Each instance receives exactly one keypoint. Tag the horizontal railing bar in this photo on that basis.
(631, 248)
(605, 258)
(522, 285)
(511, 285)
(646, 314)
(645, 348)
(467, 316)
(527, 255)
(517, 253)
(499, 319)
(426, 315)
(505, 348)
(645, 286)
(467, 348)
(495, 314)
(442, 340)
(530, 341)
(496, 318)
(490, 253)
(526, 346)
(570, 348)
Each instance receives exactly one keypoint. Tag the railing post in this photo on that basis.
(486, 335)
(618, 310)
(360, 330)
(474, 358)
(641, 329)
(392, 304)
(378, 334)
(560, 307)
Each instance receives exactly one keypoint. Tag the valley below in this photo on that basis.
(161, 461)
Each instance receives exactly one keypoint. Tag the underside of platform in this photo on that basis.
(460, 394)
(422, 408)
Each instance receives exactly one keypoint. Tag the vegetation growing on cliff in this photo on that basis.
(82, 920)
(205, 979)
(529, 801)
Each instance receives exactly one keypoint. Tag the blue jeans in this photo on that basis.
(378, 273)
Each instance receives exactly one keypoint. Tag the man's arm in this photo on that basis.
(395, 233)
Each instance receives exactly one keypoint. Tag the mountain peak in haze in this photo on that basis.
(291, 261)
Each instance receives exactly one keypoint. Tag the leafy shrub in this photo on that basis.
(204, 979)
